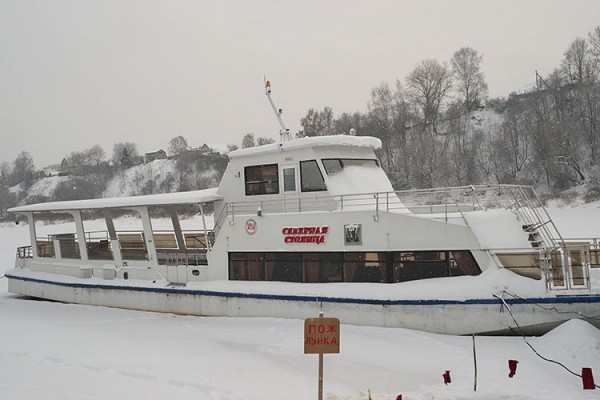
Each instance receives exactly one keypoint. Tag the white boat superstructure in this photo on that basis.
(314, 224)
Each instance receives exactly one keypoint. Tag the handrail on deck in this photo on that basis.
(448, 202)
(467, 198)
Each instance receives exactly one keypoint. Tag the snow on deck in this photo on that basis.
(497, 229)
(191, 197)
(306, 142)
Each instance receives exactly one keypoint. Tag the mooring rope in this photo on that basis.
(529, 344)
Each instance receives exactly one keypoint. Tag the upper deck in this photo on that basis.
(304, 169)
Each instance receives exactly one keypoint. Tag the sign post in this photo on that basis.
(321, 336)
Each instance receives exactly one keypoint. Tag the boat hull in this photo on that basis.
(478, 316)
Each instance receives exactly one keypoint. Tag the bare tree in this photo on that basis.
(96, 155)
(125, 154)
(428, 85)
(248, 141)
(177, 145)
(23, 170)
(594, 41)
(85, 160)
(318, 123)
(264, 140)
(386, 121)
(466, 65)
(5, 172)
(7, 200)
(346, 122)
(576, 63)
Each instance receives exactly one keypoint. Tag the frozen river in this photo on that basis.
(61, 351)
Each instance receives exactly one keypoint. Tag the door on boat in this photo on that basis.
(289, 179)
(570, 267)
(557, 270)
(579, 259)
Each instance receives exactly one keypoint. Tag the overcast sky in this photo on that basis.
(78, 73)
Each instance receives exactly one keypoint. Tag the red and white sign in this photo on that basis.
(305, 234)
(250, 226)
(321, 335)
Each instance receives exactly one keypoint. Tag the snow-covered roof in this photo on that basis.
(316, 141)
(192, 197)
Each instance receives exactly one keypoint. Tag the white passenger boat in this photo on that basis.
(313, 224)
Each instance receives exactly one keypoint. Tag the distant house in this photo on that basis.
(156, 155)
(205, 148)
(65, 168)
(196, 152)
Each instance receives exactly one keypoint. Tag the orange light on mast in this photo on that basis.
(268, 86)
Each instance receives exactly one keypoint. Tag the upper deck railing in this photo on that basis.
(450, 202)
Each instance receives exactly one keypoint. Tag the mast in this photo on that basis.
(284, 132)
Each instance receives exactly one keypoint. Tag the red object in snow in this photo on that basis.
(447, 379)
(588, 379)
(399, 397)
(512, 366)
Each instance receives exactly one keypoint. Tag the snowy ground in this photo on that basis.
(60, 351)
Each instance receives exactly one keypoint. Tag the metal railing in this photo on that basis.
(445, 202)
(24, 252)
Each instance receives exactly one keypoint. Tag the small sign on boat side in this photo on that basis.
(321, 335)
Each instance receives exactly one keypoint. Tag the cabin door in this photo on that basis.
(290, 182)
(176, 273)
(579, 259)
(570, 267)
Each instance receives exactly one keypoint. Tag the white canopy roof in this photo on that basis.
(192, 197)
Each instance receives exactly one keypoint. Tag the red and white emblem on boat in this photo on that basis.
(250, 226)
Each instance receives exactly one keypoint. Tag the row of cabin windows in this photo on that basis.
(264, 179)
(382, 267)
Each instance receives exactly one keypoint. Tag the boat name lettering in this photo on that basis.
(305, 234)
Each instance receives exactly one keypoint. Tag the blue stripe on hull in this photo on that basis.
(567, 299)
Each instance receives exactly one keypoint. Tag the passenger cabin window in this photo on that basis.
(381, 267)
(333, 165)
(311, 177)
(261, 179)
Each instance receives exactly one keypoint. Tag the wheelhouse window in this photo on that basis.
(311, 177)
(334, 165)
(261, 179)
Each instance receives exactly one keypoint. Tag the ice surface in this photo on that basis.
(58, 351)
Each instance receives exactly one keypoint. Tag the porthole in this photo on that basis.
(195, 272)
(125, 275)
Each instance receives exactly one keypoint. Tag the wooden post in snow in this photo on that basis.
(475, 364)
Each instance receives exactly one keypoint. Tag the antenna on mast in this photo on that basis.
(284, 132)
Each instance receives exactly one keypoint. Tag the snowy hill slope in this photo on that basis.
(134, 181)
(158, 176)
